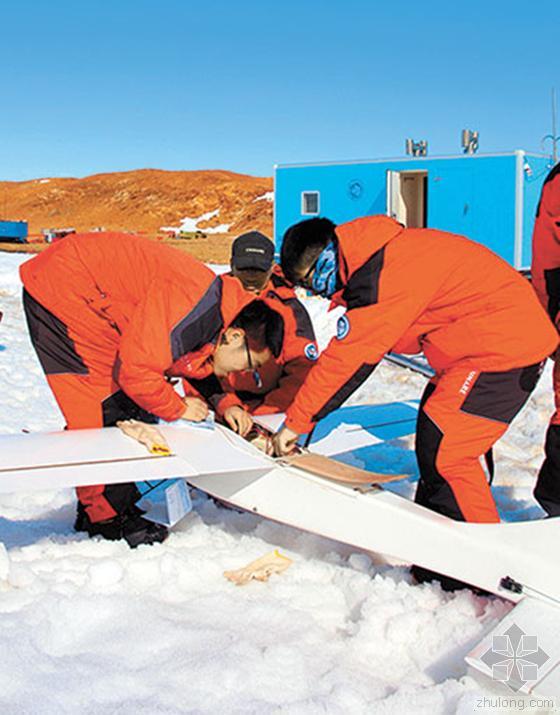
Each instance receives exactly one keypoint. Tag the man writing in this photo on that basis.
(110, 315)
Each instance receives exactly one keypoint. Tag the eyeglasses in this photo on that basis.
(255, 373)
(306, 281)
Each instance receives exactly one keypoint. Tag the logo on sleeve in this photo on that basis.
(342, 327)
(311, 352)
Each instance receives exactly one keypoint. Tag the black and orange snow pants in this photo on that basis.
(80, 375)
(463, 412)
(547, 490)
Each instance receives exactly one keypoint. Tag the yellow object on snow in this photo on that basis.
(260, 569)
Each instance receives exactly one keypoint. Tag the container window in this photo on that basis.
(310, 203)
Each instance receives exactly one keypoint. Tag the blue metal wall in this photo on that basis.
(13, 231)
(469, 195)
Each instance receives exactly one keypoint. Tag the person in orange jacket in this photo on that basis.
(110, 315)
(545, 276)
(476, 319)
(274, 386)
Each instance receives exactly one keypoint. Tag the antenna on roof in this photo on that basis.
(469, 141)
(416, 148)
(554, 138)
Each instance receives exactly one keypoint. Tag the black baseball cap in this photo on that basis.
(252, 250)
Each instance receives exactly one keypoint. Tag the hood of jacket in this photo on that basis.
(358, 240)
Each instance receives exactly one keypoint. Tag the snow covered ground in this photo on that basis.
(94, 628)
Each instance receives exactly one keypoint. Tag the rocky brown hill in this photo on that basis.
(144, 200)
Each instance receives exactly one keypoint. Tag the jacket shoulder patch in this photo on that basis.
(342, 327)
(311, 351)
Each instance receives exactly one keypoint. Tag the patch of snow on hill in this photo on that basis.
(268, 196)
(190, 225)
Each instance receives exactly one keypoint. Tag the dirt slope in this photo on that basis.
(142, 200)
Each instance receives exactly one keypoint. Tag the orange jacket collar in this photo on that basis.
(358, 240)
(234, 298)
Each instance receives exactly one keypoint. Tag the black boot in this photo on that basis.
(82, 518)
(130, 526)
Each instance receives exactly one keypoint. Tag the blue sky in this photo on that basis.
(112, 85)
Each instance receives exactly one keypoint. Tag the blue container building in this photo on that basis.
(16, 231)
(491, 198)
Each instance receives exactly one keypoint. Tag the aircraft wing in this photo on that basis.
(72, 458)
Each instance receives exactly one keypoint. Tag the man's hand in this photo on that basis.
(284, 441)
(196, 409)
(239, 420)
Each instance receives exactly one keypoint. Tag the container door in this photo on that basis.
(395, 204)
(407, 197)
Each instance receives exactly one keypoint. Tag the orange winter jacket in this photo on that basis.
(545, 268)
(134, 307)
(420, 289)
(281, 376)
